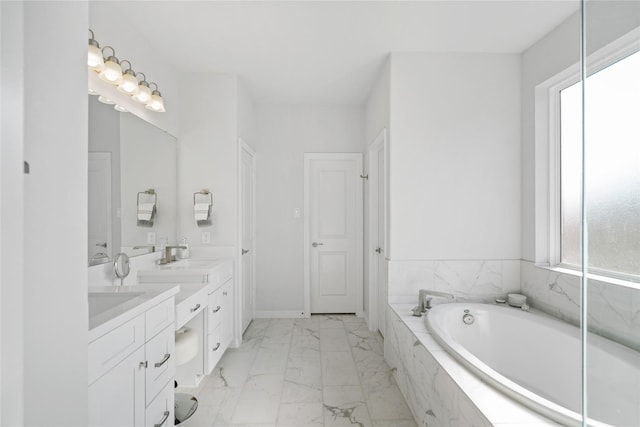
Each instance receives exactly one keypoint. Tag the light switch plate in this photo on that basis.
(206, 237)
(151, 237)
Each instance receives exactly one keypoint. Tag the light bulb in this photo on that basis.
(156, 103)
(112, 72)
(94, 57)
(143, 95)
(129, 83)
(95, 61)
(105, 100)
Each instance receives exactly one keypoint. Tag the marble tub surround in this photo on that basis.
(439, 391)
(318, 371)
(477, 280)
(612, 309)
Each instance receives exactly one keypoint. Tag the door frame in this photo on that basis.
(239, 303)
(307, 241)
(374, 320)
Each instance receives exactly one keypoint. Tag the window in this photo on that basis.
(612, 130)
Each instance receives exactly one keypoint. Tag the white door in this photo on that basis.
(377, 232)
(247, 232)
(333, 233)
(100, 205)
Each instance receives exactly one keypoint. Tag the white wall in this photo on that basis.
(454, 175)
(55, 214)
(285, 133)
(208, 158)
(377, 108)
(455, 154)
(11, 216)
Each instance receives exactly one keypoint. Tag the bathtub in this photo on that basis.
(536, 360)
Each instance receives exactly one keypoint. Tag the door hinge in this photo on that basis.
(364, 176)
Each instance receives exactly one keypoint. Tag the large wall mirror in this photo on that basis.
(132, 184)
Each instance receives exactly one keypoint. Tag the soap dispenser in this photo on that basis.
(183, 253)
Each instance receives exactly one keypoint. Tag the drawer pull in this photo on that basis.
(217, 309)
(216, 347)
(224, 293)
(143, 364)
(163, 361)
(195, 308)
(163, 420)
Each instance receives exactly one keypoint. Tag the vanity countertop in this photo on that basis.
(111, 306)
(189, 265)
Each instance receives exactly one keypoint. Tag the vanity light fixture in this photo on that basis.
(155, 103)
(120, 108)
(129, 81)
(144, 92)
(112, 72)
(105, 100)
(95, 61)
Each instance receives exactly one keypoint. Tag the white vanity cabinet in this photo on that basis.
(131, 371)
(220, 323)
(207, 286)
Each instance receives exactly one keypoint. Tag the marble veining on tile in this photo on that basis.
(326, 370)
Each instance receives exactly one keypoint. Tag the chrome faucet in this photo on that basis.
(168, 257)
(425, 296)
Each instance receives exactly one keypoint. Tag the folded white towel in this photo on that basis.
(145, 211)
(201, 211)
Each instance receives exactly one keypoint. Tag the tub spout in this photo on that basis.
(425, 297)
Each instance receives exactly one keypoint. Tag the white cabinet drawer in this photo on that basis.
(159, 317)
(215, 349)
(160, 357)
(191, 307)
(112, 348)
(160, 412)
(215, 310)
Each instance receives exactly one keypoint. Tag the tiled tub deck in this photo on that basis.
(439, 391)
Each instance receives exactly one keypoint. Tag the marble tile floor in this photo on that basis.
(327, 370)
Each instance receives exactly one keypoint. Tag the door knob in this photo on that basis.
(315, 245)
(103, 245)
(245, 251)
(379, 250)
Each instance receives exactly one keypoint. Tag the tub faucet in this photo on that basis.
(167, 254)
(425, 297)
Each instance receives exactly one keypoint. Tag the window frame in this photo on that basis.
(548, 202)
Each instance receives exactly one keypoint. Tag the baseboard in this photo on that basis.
(265, 314)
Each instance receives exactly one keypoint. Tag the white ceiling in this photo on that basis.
(328, 52)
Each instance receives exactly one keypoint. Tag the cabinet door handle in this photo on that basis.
(195, 308)
(163, 361)
(217, 309)
(216, 347)
(163, 420)
(224, 293)
(143, 364)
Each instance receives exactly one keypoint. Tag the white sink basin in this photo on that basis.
(100, 302)
(181, 271)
